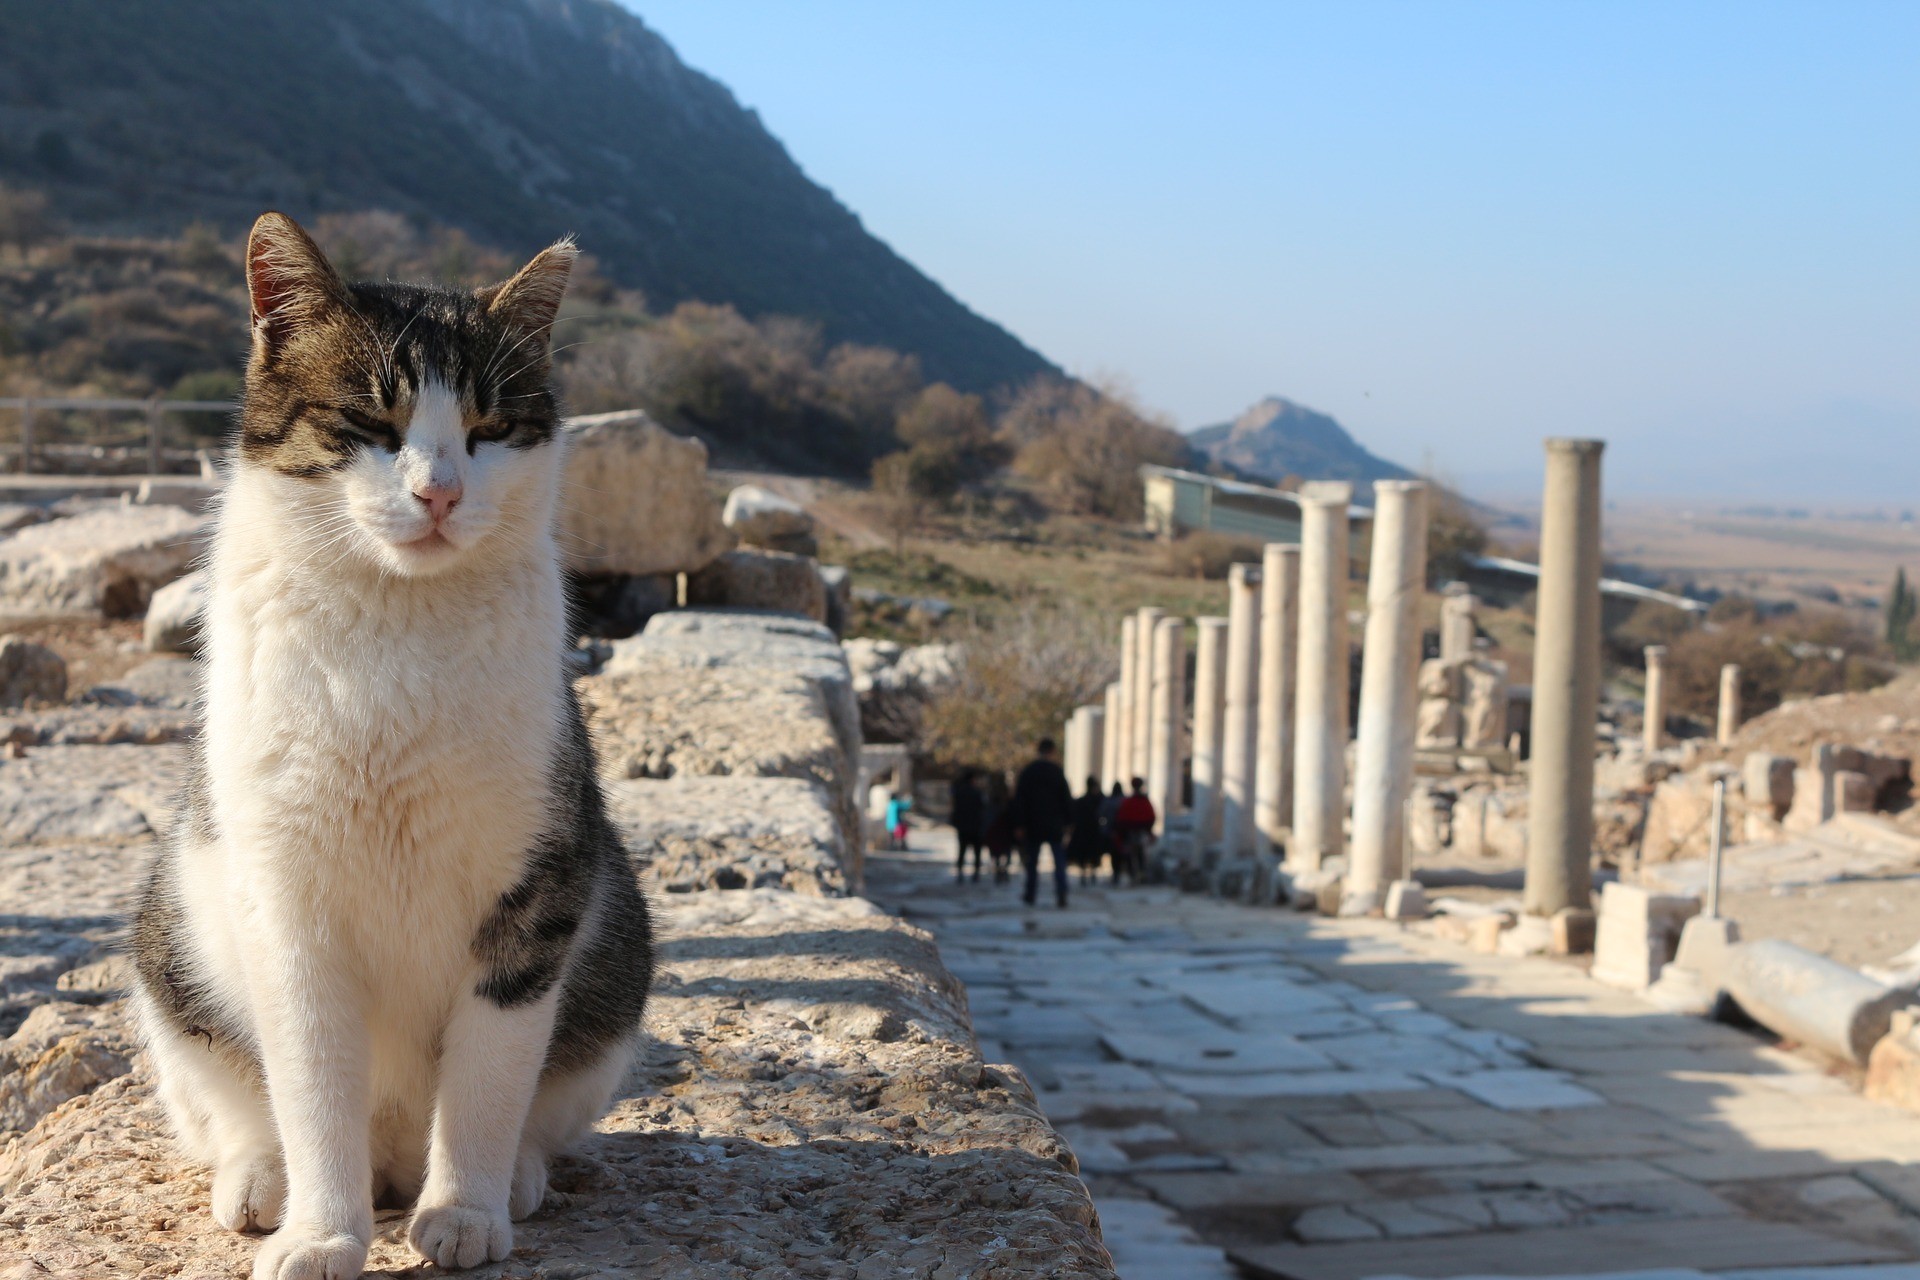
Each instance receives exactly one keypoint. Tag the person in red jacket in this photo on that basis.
(1132, 830)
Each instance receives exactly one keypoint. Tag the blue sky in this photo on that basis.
(1691, 229)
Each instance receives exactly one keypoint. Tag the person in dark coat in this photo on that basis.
(1000, 841)
(1042, 805)
(968, 813)
(1087, 844)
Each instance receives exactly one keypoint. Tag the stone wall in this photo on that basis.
(813, 1102)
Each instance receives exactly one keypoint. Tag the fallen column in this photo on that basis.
(1279, 639)
(1238, 834)
(1804, 996)
(1169, 707)
(1389, 693)
(1566, 682)
(1209, 700)
(1320, 696)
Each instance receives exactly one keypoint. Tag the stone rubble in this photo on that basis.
(103, 563)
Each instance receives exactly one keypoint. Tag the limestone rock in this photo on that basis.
(175, 613)
(1893, 1068)
(813, 1102)
(1483, 711)
(895, 683)
(1406, 900)
(732, 833)
(1490, 823)
(171, 683)
(66, 793)
(107, 562)
(60, 1051)
(30, 673)
(1439, 722)
(1680, 817)
(762, 518)
(771, 580)
(18, 515)
(635, 498)
(1637, 935)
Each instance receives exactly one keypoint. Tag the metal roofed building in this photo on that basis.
(1180, 502)
(1507, 583)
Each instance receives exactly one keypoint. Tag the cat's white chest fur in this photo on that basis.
(396, 733)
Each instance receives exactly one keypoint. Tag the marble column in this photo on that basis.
(1279, 638)
(1320, 691)
(1456, 623)
(1092, 730)
(1566, 682)
(1239, 835)
(1653, 725)
(1729, 704)
(1209, 700)
(1169, 705)
(1389, 693)
(1110, 739)
(1121, 728)
(1142, 751)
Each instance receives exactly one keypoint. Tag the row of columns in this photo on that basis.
(1271, 690)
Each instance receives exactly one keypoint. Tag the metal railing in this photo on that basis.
(155, 410)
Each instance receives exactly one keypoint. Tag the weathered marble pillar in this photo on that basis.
(1094, 734)
(1456, 623)
(1320, 692)
(1389, 693)
(1653, 727)
(1083, 746)
(1111, 723)
(1169, 705)
(1566, 681)
(1123, 725)
(1142, 753)
(1729, 704)
(1239, 836)
(1279, 638)
(1073, 753)
(1209, 700)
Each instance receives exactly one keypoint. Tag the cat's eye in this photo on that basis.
(368, 427)
(489, 431)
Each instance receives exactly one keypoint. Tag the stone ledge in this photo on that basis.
(697, 833)
(813, 1105)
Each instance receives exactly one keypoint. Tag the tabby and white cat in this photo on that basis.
(393, 945)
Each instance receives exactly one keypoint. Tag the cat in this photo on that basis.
(392, 945)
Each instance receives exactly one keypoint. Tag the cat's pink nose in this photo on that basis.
(438, 499)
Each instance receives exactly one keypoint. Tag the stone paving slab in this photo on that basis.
(1468, 1115)
(1706, 1245)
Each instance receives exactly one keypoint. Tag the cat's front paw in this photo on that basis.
(293, 1253)
(458, 1235)
(249, 1193)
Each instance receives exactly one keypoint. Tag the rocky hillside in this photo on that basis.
(514, 120)
(1277, 438)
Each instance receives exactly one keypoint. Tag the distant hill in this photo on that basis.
(1277, 438)
(514, 120)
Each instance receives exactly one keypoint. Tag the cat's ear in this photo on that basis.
(290, 283)
(529, 301)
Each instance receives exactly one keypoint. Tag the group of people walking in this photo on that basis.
(1041, 811)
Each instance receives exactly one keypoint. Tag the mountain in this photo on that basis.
(513, 120)
(1277, 438)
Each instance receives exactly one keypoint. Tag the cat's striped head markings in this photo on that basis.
(413, 423)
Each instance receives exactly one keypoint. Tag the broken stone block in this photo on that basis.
(1893, 1068)
(1483, 932)
(762, 518)
(1406, 900)
(772, 580)
(1766, 781)
(175, 613)
(635, 499)
(1853, 792)
(104, 563)
(1573, 930)
(1529, 936)
(1695, 981)
(30, 673)
(1637, 934)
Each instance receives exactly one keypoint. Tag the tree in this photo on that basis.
(1085, 445)
(1901, 607)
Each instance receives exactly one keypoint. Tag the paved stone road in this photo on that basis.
(1257, 1093)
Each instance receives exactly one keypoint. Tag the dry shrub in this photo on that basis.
(1085, 445)
(1801, 655)
(1208, 555)
(1019, 679)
